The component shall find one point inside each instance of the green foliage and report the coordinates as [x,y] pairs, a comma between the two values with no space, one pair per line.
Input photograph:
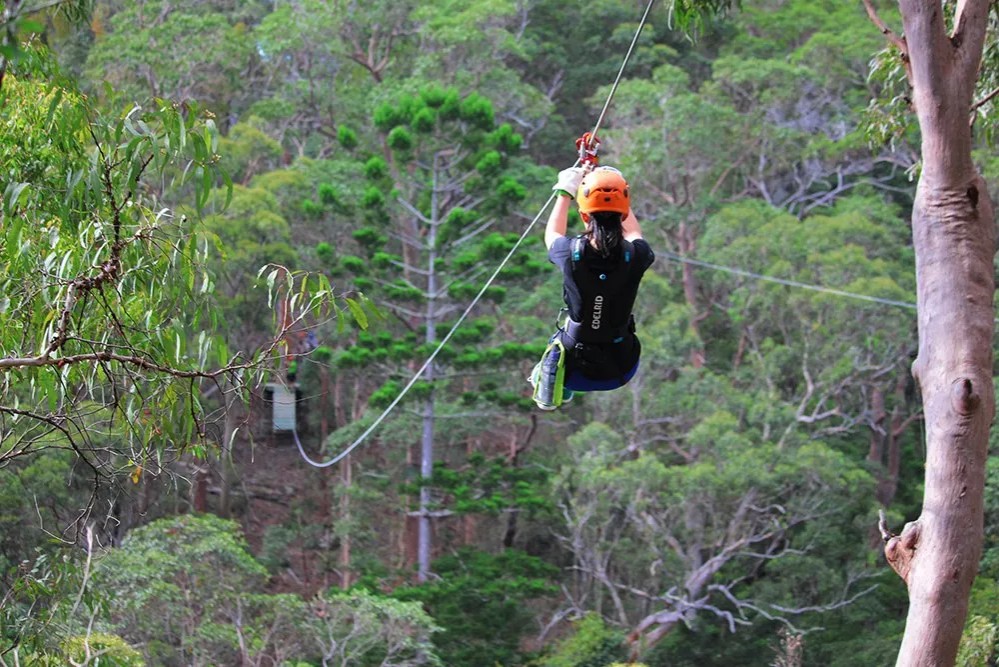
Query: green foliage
[88,227]
[385,394]
[654,511]
[505,139]
[692,15]
[149,44]
[386,117]
[328,195]
[511,190]
[369,238]
[373,198]
[354,265]
[373,629]
[477,111]
[174,581]
[38,610]
[591,644]
[990,554]
[764,104]
[489,164]
[311,209]
[248,150]
[375,168]
[979,643]
[399,139]
[490,487]
[889,119]
[103,649]
[423,122]
[480,600]
[347,137]
[50,477]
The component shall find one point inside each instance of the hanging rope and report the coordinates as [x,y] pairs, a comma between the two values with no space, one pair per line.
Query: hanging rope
[416,376]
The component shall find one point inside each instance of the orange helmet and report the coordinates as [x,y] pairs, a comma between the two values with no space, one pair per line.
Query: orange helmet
[603,189]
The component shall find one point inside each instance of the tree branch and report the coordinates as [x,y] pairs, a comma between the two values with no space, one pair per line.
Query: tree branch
[985,100]
[899,42]
[899,549]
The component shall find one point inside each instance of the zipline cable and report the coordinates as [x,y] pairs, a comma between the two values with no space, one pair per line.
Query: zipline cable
[361,438]
[620,72]
[783,281]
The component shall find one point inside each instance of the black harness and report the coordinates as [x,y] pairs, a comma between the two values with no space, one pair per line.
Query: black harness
[607,293]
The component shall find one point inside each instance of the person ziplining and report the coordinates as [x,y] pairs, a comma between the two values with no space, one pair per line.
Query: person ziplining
[596,348]
[582,377]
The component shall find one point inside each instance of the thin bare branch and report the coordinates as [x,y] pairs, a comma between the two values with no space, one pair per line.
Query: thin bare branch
[899,42]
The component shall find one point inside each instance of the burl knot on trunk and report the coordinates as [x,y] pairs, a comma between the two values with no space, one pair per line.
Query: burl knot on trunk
[899,549]
[963,397]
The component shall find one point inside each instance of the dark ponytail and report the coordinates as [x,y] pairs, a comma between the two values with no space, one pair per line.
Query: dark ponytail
[605,230]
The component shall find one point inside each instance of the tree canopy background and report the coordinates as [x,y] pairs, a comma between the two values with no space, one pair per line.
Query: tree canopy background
[321,188]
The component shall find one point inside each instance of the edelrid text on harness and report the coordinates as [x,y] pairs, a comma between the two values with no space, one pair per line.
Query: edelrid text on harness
[607,294]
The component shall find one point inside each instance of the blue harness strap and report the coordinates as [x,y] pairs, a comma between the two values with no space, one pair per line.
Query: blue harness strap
[579,242]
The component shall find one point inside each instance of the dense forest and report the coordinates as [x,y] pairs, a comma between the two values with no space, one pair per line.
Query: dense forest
[274,279]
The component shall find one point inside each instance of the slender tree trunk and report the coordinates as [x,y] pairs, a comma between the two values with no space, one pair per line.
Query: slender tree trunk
[687,248]
[409,539]
[875,449]
[468,522]
[954,239]
[226,467]
[10,10]
[200,496]
[427,442]
[423,550]
[884,452]
[346,479]
[345,472]
[897,424]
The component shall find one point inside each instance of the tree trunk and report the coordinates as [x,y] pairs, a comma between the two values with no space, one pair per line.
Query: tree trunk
[687,243]
[423,551]
[326,385]
[954,239]
[887,430]
[427,441]
[199,500]
[346,480]
[226,466]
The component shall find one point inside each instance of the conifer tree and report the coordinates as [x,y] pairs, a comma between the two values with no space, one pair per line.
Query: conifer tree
[434,229]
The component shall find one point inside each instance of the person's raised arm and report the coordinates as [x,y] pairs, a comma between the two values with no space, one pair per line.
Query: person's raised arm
[565,188]
[630,228]
[558,220]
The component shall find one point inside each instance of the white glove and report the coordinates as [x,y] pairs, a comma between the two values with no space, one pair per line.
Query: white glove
[569,180]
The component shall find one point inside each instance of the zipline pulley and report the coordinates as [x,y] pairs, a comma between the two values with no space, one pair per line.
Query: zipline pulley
[588,145]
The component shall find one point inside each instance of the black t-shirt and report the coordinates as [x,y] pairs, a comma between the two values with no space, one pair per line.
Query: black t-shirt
[560,255]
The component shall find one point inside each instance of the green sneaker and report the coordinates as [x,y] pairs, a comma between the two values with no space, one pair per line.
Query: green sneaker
[533,379]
